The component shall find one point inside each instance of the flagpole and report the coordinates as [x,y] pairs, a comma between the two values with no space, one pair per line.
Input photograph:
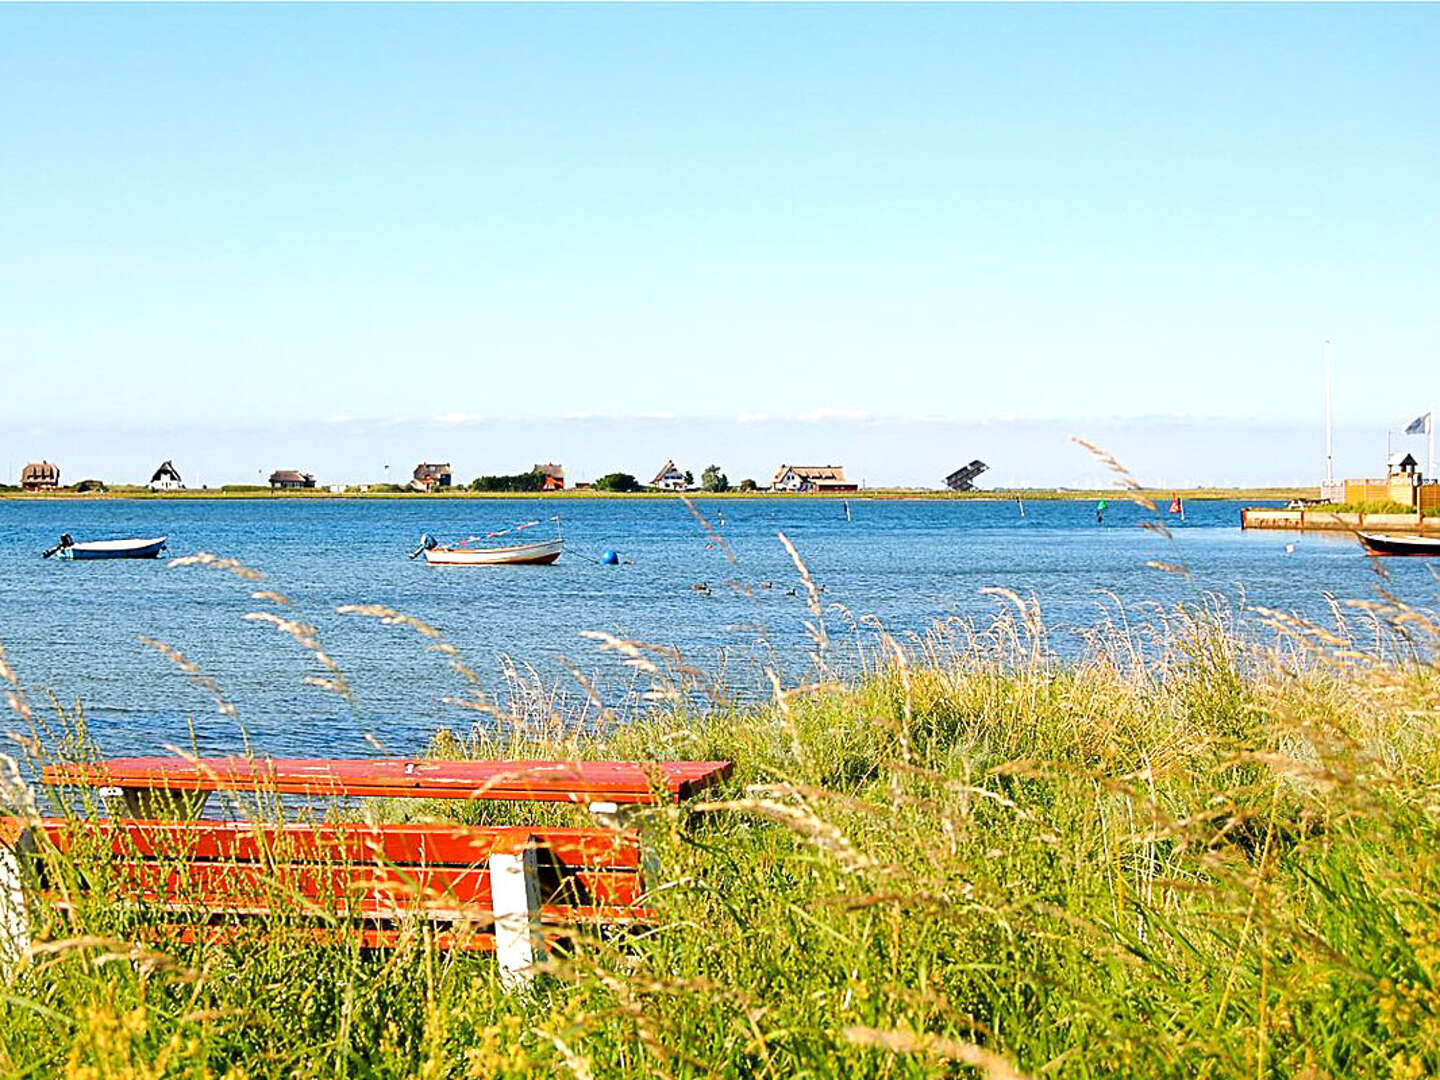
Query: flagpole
[1430,429]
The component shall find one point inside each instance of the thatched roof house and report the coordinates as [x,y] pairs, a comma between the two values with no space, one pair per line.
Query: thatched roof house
[40,476]
[669,477]
[290,478]
[430,475]
[812,478]
[554,476]
[167,478]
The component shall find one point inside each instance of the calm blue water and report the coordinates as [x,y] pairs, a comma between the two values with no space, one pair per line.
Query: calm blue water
[73,628]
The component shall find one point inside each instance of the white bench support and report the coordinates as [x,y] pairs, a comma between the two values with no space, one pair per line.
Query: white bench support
[14,918]
[515,900]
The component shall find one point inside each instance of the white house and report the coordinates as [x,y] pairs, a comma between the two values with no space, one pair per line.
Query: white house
[167,478]
[670,478]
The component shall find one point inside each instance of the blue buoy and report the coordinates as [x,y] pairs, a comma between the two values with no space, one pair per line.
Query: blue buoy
[610,558]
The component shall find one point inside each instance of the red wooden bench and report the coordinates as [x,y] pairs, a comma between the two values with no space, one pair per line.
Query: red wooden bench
[510,889]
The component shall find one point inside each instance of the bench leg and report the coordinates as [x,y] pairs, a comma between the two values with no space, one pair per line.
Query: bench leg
[14,919]
[515,900]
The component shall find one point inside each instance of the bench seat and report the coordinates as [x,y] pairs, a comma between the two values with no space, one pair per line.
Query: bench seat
[510,889]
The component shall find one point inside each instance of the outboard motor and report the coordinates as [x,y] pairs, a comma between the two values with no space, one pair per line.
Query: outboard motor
[427,543]
[65,542]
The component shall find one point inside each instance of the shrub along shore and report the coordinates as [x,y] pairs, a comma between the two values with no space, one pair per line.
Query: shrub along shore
[1191,852]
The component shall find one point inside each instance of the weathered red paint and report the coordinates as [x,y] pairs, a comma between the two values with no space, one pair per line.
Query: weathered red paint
[545,781]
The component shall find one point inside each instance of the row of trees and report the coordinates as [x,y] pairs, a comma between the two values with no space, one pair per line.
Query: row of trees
[712,479]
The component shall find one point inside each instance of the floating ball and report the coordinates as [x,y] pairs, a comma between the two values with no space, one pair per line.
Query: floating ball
[610,558]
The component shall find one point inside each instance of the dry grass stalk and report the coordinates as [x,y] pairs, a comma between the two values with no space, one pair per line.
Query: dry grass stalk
[989,1063]
[588,687]
[192,671]
[802,820]
[390,617]
[215,562]
[709,529]
[634,652]
[812,598]
[308,638]
[15,693]
[1133,487]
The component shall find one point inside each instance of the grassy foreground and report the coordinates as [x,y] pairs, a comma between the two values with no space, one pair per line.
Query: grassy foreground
[1186,854]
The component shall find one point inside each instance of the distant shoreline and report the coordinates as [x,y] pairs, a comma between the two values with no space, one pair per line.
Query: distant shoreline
[870,494]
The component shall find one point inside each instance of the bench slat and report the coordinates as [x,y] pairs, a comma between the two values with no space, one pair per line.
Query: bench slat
[368,909]
[436,845]
[408,887]
[629,782]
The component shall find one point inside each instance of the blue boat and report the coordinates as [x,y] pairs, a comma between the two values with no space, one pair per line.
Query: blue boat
[133,548]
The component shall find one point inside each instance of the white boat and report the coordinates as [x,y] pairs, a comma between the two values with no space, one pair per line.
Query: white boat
[547,551]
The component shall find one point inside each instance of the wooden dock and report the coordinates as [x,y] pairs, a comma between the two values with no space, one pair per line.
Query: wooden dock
[1320,519]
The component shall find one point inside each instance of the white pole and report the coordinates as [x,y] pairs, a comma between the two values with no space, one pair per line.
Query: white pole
[1329,446]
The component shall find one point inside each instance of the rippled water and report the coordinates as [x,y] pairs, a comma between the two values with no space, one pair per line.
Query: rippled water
[74,628]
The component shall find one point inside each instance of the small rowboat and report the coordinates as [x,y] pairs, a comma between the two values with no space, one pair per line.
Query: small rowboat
[547,551]
[134,548]
[1392,544]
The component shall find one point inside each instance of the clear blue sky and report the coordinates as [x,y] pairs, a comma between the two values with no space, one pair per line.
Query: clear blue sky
[236,217]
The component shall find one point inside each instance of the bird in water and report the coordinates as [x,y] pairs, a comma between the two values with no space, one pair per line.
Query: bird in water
[789,592]
[1290,548]
[703,588]
[764,584]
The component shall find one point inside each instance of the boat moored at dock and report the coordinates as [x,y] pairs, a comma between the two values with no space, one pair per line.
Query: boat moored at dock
[1393,544]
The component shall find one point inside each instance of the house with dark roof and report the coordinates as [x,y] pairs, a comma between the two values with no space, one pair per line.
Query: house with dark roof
[431,475]
[40,476]
[167,478]
[554,476]
[282,479]
[670,478]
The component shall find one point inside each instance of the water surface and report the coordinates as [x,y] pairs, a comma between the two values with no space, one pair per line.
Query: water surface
[74,628]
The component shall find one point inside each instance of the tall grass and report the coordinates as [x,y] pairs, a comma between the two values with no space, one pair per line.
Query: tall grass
[1191,851]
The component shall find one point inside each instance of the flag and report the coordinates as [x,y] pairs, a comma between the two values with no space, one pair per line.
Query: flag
[1419,426]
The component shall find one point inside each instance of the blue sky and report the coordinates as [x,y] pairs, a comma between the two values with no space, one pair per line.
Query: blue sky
[313,222]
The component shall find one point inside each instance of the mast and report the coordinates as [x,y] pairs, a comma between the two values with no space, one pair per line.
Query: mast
[1329,444]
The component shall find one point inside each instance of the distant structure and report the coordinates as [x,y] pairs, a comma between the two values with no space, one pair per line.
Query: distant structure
[40,476]
[812,478]
[1403,484]
[963,478]
[554,476]
[429,476]
[282,479]
[669,477]
[167,478]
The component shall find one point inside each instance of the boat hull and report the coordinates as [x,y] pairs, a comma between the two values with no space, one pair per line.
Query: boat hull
[1391,544]
[116,549]
[520,555]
